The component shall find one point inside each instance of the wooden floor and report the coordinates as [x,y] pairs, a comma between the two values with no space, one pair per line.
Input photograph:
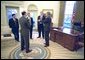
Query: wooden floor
[56,50]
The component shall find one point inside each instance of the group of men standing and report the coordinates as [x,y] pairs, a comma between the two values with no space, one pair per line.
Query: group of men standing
[26,23]
[44,24]
[40,25]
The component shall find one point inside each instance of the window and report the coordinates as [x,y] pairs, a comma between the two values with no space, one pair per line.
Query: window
[68,14]
[12,10]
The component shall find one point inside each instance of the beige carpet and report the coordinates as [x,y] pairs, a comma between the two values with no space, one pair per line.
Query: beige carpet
[57,51]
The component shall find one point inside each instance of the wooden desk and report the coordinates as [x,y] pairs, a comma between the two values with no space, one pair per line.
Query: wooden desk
[68,38]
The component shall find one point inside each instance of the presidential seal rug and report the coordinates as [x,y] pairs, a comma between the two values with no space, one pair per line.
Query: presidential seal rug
[38,52]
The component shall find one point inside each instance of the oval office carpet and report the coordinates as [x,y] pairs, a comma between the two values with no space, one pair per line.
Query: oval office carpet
[10,49]
[38,52]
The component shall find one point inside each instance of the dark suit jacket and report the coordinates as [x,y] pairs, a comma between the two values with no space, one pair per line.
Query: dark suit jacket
[25,26]
[32,22]
[38,22]
[43,18]
[47,24]
[14,25]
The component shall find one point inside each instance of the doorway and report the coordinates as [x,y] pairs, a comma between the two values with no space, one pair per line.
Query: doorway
[33,10]
[34,15]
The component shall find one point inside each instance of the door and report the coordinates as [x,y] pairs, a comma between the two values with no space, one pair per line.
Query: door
[34,16]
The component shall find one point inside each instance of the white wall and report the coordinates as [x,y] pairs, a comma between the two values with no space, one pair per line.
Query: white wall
[3,10]
[4,23]
[23,5]
[46,5]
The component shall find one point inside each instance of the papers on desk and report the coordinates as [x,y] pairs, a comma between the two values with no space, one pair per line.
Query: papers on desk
[66,30]
[55,29]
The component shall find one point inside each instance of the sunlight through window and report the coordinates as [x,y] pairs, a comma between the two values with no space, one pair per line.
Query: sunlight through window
[68,14]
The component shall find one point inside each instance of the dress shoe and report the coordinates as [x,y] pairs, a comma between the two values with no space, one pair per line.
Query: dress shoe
[43,37]
[38,37]
[17,40]
[31,38]
[28,51]
[22,49]
[46,45]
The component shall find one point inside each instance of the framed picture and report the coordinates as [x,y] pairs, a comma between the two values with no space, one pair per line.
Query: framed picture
[48,10]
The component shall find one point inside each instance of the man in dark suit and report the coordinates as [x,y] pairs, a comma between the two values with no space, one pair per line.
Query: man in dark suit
[47,26]
[13,24]
[25,28]
[31,24]
[40,25]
